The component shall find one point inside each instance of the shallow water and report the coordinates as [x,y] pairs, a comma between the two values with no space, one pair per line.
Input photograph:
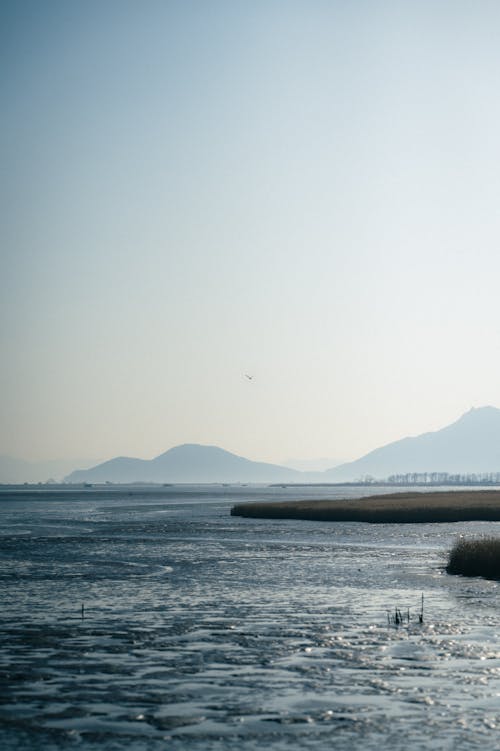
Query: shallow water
[207,631]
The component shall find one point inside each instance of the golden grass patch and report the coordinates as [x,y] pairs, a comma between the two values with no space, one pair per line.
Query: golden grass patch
[395,508]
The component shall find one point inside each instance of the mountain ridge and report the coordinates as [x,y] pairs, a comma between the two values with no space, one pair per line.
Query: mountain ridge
[188,462]
[469,444]
[14,470]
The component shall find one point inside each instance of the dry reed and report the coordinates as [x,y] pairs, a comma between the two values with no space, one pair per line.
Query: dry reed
[475,557]
[395,508]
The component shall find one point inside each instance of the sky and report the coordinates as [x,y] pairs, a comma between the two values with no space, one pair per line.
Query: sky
[305,192]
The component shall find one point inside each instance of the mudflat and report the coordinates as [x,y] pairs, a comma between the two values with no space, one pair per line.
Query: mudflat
[395,508]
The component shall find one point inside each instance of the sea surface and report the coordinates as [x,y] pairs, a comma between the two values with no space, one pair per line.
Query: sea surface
[205,631]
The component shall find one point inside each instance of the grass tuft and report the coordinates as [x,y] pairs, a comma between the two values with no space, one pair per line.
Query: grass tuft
[477,557]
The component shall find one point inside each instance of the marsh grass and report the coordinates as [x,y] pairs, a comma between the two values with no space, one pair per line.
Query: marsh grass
[476,557]
[395,508]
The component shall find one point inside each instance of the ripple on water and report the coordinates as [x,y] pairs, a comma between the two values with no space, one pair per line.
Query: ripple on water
[241,635]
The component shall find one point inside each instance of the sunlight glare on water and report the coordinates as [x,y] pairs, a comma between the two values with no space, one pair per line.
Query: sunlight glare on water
[206,631]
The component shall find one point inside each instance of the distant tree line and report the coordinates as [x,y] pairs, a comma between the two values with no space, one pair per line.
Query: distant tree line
[437,478]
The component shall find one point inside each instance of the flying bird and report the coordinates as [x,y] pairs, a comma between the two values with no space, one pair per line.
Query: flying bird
[250,378]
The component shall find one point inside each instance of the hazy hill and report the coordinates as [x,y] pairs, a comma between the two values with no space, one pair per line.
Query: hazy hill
[13,470]
[312,465]
[187,463]
[471,444]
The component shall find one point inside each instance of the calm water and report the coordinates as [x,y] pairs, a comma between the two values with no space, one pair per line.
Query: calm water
[206,631]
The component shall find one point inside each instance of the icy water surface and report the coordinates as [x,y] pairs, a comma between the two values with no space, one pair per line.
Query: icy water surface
[206,631]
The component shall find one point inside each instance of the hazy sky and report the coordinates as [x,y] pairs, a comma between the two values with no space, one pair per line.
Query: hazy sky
[307,192]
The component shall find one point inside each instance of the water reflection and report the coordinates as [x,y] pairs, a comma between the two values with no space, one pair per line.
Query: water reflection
[207,631]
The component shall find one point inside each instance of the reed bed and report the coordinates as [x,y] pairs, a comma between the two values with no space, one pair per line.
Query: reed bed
[475,557]
[395,508]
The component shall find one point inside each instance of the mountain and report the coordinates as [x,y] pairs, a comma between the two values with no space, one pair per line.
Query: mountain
[187,463]
[471,444]
[312,465]
[14,470]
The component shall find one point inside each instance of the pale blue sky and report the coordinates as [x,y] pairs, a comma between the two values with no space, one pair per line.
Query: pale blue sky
[304,191]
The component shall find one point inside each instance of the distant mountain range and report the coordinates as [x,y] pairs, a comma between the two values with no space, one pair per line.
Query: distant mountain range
[312,465]
[469,445]
[187,463]
[13,470]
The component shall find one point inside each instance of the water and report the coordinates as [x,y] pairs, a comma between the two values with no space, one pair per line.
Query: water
[206,631]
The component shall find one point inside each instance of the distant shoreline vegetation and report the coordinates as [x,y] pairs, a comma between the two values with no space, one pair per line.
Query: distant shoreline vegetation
[441,478]
[395,508]
[428,479]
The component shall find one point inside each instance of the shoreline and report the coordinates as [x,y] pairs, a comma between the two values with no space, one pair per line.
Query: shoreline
[394,508]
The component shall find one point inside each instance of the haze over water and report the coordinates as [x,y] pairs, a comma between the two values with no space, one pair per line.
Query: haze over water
[206,631]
